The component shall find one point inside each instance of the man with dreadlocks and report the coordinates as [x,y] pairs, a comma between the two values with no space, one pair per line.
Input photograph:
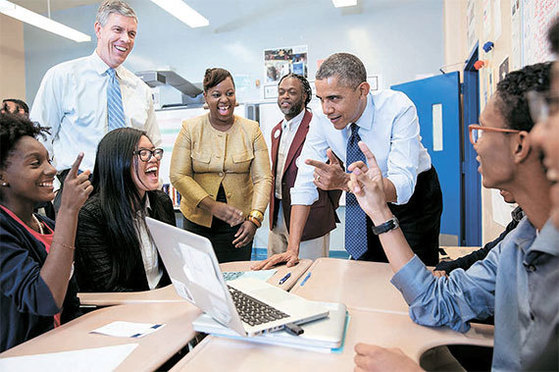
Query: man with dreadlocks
[288,137]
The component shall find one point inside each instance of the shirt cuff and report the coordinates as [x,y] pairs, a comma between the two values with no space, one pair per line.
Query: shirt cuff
[403,191]
[304,196]
[412,279]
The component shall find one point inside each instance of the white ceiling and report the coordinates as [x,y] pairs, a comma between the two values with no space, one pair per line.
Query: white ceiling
[40,6]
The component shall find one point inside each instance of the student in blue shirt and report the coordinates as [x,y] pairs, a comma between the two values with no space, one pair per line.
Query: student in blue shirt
[503,283]
[37,289]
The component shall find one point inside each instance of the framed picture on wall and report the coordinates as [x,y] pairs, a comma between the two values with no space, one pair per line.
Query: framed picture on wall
[373,82]
[270,91]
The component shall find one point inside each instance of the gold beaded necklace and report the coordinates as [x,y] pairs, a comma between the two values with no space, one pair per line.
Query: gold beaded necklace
[39,224]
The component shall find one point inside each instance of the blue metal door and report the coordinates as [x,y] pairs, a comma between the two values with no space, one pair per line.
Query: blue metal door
[438,106]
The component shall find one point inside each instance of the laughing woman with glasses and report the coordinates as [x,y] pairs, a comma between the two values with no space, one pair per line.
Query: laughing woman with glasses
[114,251]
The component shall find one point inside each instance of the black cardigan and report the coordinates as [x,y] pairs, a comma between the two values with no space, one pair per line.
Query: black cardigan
[26,304]
[467,261]
[93,261]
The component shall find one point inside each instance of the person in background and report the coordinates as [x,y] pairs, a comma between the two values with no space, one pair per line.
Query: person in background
[288,137]
[14,106]
[445,267]
[114,251]
[517,281]
[387,121]
[83,99]
[37,289]
[220,166]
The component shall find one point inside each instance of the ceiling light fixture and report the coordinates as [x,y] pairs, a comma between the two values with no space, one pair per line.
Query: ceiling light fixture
[344,3]
[24,15]
[183,12]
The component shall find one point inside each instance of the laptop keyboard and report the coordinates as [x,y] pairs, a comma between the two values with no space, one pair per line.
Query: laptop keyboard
[252,311]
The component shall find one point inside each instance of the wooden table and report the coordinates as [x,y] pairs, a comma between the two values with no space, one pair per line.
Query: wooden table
[153,350]
[374,327]
[454,252]
[359,285]
[168,295]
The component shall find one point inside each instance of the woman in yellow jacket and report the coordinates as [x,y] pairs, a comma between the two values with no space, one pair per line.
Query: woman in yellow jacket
[221,168]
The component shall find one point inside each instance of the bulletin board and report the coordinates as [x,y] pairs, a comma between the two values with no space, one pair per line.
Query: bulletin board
[537,17]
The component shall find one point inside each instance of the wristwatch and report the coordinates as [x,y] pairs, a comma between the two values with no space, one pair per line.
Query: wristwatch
[391,224]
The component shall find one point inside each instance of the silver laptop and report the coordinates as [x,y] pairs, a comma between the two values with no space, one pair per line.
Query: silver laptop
[247,306]
[325,333]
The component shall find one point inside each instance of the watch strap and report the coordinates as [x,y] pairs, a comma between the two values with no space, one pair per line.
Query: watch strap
[391,224]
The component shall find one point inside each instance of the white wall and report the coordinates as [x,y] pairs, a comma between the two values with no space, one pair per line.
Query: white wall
[12,59]
[396,39]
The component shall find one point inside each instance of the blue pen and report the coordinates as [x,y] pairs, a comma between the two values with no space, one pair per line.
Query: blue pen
[306,278]
[282,280]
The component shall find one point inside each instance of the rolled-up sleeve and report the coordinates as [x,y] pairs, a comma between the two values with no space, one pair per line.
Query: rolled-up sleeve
[403,157]
[21,281]
[452,301]
[261,174]
[304,191]
[181,169]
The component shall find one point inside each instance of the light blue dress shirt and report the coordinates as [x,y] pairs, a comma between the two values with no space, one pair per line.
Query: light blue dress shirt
[518,283]
[72,101]
[390,128]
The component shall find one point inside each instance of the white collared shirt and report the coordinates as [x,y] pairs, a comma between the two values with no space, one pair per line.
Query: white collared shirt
[148,250]
[390,128]
[72,101]
[288,131]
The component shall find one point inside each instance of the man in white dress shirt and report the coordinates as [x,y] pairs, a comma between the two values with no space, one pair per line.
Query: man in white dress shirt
[72,98]
[387,122]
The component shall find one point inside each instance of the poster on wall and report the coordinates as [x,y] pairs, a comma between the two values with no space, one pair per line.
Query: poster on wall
[516,31]
[282,61]
[537,17]
[471,21]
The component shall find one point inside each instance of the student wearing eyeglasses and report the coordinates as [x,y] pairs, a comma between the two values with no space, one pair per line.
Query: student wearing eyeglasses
[114,251]
[517,281]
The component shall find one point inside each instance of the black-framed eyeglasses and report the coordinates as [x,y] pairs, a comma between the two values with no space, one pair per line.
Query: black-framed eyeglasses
[146,154]
[542,105]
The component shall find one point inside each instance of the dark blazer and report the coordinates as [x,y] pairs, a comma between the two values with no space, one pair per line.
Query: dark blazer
[26,303]
[93,262]
[322,217]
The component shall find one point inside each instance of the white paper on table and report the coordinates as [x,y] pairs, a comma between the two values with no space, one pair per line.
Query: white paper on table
[127,329]
[258,274]
[96,359]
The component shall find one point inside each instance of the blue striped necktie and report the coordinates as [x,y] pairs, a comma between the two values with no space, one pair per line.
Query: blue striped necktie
[115,112]
[355,218]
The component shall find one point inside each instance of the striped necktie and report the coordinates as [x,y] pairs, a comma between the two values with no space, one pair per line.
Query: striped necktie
[115,112]
[355,219]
